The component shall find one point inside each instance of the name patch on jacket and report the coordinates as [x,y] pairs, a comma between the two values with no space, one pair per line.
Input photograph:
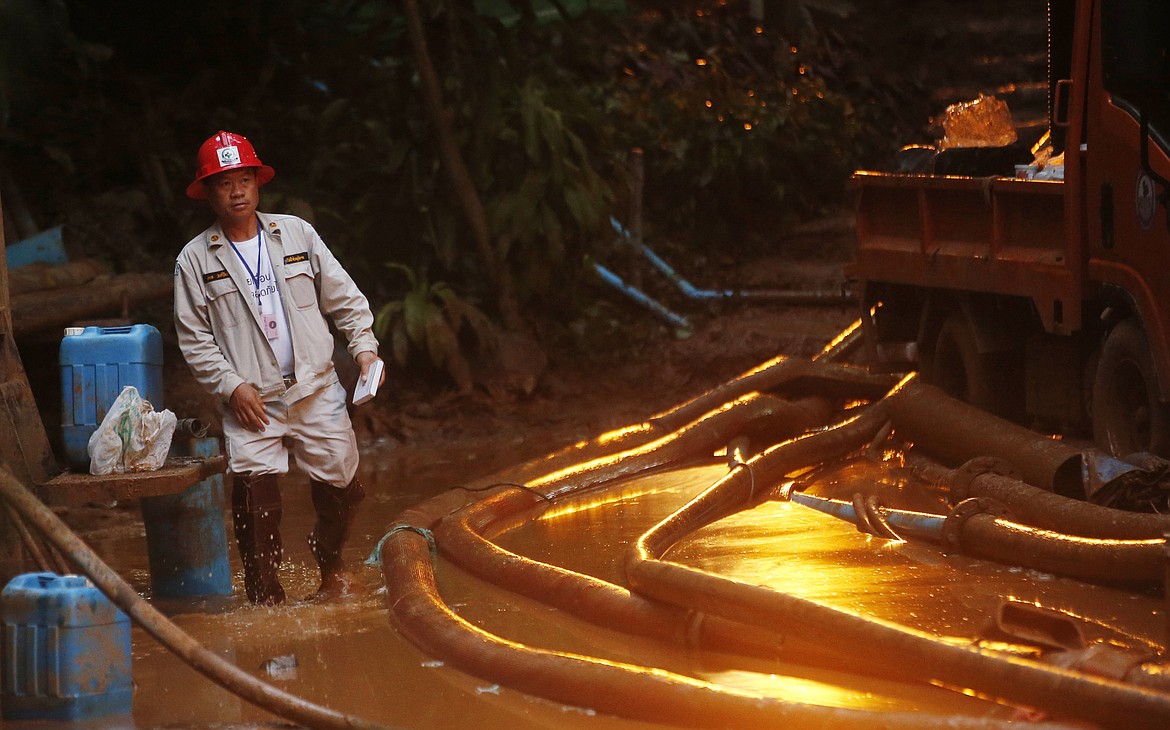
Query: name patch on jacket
[296,258]
[215,276]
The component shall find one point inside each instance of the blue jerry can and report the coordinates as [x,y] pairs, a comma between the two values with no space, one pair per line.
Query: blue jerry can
[96,363]
[66,650]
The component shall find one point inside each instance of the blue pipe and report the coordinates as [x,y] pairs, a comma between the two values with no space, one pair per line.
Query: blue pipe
[641,298]
[693,292]
[917,524]
[688,289]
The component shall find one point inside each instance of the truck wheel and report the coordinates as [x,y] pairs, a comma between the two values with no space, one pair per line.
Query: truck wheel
[1128,417]
[959,369]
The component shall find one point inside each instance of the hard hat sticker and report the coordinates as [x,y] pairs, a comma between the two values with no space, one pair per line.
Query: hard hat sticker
[229,155]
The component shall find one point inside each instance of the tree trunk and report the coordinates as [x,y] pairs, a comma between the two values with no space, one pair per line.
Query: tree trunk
[457,171]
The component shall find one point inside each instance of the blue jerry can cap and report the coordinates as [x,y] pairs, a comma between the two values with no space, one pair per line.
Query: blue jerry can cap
[63,600]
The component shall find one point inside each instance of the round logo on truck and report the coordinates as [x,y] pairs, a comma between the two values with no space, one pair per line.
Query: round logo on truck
[1147,200]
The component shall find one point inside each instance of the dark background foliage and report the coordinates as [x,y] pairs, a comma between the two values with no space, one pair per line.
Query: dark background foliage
[747,127]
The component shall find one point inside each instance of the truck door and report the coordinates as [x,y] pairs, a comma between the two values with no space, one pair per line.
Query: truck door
[1127,161]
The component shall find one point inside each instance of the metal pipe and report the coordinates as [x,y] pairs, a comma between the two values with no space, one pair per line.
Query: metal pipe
[191,428]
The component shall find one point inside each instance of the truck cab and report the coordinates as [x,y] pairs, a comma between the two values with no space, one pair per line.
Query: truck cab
[1045,300]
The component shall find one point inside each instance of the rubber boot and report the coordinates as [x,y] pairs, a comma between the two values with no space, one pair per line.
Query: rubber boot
[256,515]
[336,508]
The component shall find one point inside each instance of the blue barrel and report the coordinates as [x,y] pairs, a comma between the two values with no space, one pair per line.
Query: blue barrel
[66,650]
[96,363]
[186,540]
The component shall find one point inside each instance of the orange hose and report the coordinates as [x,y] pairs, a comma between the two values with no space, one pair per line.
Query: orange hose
[1098,560]
[1038,507]
[819,377]
[752,412]
[1109,703]
[658,696]
[622,690]
[459,538]
[956,432]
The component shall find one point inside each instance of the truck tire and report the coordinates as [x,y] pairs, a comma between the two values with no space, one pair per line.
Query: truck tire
[1128,416]
[959,369]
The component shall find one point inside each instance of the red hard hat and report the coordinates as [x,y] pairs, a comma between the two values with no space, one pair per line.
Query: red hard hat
[222,152]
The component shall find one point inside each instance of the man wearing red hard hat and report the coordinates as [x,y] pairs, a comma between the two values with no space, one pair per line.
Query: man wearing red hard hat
[252,294]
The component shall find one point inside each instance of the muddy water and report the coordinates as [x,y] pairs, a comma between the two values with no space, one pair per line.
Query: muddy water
[348,657]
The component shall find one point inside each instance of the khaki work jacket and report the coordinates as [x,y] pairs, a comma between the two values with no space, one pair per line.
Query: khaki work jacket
[220,331]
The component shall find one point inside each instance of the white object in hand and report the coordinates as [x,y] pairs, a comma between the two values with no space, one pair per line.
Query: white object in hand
[368,388]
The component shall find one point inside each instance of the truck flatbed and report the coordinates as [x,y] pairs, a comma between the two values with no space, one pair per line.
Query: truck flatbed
[996,235]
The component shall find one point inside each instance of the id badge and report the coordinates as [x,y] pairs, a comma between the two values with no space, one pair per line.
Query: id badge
[270,329]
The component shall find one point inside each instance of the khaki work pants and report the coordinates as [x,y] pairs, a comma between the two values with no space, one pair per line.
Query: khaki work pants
[316,429]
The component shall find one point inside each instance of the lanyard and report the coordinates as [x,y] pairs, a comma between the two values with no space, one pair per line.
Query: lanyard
[254,278]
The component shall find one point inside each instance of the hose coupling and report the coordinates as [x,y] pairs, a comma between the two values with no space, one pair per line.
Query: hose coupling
[953,525]
[966,475]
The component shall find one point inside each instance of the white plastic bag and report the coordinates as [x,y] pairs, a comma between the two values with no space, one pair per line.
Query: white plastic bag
[132,436]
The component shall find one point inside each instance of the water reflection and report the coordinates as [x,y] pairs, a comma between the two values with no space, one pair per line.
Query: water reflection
[347,657]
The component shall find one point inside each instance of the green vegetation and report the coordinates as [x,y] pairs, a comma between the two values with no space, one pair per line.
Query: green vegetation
[102,107]
[433,321]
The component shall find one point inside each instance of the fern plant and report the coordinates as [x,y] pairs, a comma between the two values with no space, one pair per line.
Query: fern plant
[433,321]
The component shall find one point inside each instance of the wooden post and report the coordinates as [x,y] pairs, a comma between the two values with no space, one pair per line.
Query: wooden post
[11,551]
[24,445]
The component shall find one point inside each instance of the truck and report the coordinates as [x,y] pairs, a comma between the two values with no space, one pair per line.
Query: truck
[1044,300]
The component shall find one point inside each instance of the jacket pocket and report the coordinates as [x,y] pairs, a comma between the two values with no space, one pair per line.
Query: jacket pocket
[226,303]
[299,279]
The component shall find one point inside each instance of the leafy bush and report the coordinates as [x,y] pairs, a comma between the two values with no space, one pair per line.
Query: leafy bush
[741,128]
[432,320]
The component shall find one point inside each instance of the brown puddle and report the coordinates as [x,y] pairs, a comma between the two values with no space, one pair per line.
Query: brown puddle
[347,656]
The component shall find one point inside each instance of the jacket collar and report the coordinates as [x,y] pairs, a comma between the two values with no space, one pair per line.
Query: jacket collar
[215,237]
